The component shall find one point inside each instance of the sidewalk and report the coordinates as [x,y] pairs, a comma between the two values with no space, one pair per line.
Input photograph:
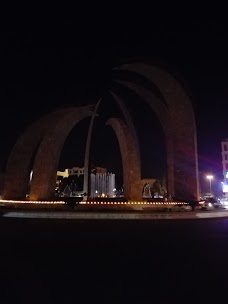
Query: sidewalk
[116,216]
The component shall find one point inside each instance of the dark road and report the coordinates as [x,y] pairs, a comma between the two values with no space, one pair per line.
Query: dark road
[57,261]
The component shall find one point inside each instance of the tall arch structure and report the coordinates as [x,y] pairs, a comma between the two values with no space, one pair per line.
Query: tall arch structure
[180,131]
[46,137]
[19,162]
[129,133]
[161,111]
[130,159]
[49,151]
[40,139]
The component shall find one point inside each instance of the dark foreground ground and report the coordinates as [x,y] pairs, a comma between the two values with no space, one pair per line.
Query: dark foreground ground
[57,261]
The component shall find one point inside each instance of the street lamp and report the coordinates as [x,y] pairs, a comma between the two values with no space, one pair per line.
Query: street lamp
[210,177]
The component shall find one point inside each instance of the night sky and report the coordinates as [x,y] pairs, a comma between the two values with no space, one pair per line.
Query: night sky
[47,65]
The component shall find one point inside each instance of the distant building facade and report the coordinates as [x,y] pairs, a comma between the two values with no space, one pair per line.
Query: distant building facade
[224,145]
[1,182]
[63,174]
[76,171]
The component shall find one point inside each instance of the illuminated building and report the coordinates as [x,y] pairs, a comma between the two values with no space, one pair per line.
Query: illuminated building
[63,174]
[225,165]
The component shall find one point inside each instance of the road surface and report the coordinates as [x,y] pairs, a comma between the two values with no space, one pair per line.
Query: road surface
[80,261]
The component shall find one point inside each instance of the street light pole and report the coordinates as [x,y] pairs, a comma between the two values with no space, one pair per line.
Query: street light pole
[210,177]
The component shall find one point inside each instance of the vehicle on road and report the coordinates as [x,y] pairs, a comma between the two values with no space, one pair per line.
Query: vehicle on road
[211,203]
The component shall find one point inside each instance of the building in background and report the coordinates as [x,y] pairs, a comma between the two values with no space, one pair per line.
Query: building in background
[76,171]
[63,174]
[1,182]
[224,144]
[102,183]
[98,170]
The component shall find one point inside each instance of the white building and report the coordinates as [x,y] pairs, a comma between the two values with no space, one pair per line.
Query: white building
[224,144]
[63,174]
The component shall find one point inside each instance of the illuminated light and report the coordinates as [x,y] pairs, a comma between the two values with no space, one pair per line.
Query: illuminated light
[210,177]
[225,188]
[32,202]
[95,202]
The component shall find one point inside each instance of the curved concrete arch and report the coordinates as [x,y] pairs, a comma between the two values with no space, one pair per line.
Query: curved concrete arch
[129,121]
[183,129]
[18,165]
[162,113]
[138,79]
[49,151]
[130,159]
[152,100]
[47,136]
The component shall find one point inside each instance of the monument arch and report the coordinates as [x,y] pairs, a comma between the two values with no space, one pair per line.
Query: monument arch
[180,128]
[46,137]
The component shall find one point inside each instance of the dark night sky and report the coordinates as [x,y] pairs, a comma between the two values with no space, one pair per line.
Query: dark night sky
[44,65]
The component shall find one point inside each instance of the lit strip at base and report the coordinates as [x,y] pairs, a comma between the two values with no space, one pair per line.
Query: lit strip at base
[94,202]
